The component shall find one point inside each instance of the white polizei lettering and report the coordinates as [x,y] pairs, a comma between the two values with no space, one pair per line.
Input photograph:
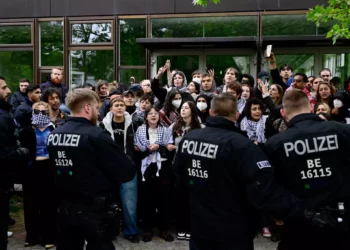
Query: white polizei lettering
[308,147]
[321,148]
[67,140]
[302,145]
[202,149]
[331,139]
[316,144]
[288,147]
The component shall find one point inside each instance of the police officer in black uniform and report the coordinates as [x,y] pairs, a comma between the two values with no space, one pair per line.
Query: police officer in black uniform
[89,167]
[10,157]
[311,160]
[228,178]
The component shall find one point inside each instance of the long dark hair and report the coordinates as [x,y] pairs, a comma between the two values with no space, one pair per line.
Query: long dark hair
[204,115]
[168,107]
[253,101]
[194,119]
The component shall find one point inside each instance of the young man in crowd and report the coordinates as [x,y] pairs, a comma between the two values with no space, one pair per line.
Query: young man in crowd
[53,97]
[19,96]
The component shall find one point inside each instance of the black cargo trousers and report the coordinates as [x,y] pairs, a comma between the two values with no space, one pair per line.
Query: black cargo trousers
[78,223]
[4,216]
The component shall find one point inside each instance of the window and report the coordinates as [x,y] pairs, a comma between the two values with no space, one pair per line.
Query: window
[222,62]
[51,43]
[15,65]
[131,53]
[125,74]
[339,64]
[91,33]
[301,63]
[16,34]
[88,66]
[229,26]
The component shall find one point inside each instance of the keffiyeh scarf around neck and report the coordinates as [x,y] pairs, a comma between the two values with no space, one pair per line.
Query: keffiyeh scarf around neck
[255,130]
[142,142]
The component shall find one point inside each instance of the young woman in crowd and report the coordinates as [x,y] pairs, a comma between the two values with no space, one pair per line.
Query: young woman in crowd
[193,88]
[169,113]
[146,101]
[119,124]
[254,122]
[102,91]
[325,94]
[314,87]
[154,143]
[247,92]
[203,107]
[322,108]
[40,202]
[231,75]
[187,122]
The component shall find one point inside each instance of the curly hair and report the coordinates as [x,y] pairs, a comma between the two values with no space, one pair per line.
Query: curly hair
[49,92]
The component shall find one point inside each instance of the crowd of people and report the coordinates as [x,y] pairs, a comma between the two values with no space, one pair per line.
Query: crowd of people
[148,121]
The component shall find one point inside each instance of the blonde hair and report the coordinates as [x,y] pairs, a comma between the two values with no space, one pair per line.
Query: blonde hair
[44,104]
[78,97]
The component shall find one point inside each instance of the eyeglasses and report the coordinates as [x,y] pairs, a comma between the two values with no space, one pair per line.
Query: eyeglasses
[37,111]
[156,114]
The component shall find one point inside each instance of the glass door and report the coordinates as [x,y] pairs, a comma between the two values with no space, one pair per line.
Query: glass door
[185,63]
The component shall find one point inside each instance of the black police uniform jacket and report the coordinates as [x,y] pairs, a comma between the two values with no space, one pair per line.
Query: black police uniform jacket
[311,160]
[88,163]
[229,178]
[11,160]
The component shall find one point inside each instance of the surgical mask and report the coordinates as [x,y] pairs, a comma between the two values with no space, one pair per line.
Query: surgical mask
[337,103]
[197,80]
[176,103]
[202,106]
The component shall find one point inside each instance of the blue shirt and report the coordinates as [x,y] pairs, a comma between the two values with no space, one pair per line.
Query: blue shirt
[41,140]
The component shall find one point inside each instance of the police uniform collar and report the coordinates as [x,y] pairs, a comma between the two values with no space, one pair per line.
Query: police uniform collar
[79,119]
[303,117]
[220,122]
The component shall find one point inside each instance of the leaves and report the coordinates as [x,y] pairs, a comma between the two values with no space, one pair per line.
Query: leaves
[337,11]
[204,2]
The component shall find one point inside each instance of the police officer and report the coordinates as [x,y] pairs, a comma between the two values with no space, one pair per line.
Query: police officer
[311,160]
[89,167]
[228,178]
[10,156]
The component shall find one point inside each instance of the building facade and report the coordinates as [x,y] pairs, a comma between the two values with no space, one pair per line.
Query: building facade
[117,39]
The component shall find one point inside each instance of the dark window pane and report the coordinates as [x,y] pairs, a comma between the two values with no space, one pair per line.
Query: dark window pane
[222,62]
[302,63]
[283,25]
[16,34]
[91,33]
[88,66]
[51,43]
[230,26]
[15,65]
[125,74]
[131,53]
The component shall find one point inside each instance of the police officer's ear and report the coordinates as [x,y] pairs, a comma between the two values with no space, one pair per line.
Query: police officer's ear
[211,113]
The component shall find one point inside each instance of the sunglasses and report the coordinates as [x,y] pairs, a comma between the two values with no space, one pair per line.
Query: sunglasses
[37,111]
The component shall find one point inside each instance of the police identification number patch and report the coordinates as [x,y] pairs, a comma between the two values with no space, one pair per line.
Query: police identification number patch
[263,164]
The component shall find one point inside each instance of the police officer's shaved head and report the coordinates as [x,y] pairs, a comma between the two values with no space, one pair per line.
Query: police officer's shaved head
[295,102]
[77,98]
[224,105]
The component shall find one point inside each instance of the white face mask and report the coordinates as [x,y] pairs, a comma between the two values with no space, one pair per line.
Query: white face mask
[337,103]
[201,106]
[197,80]
[176,103]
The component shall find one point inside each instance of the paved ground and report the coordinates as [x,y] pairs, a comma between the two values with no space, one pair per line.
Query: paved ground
[17,243]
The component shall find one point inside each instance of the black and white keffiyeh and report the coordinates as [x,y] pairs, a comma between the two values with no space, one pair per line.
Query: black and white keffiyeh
[142,142]
[255,130]
[241,104]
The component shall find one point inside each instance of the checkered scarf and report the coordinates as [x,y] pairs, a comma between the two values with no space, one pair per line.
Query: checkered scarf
[241,104]
[142,142]
[255,130]
[40,120]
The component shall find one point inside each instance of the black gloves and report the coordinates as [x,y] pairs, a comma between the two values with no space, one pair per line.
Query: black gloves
[323,219]
[23,153]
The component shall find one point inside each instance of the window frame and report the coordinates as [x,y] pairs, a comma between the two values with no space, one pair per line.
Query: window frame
[32,36]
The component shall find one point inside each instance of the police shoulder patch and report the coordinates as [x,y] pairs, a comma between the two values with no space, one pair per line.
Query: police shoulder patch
[263,164]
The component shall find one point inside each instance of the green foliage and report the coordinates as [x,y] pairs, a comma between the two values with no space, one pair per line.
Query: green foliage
[51,43]
[337,11]
[204,2]
[19,34]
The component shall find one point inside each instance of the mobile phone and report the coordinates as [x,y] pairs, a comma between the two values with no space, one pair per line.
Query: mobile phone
[268,50]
